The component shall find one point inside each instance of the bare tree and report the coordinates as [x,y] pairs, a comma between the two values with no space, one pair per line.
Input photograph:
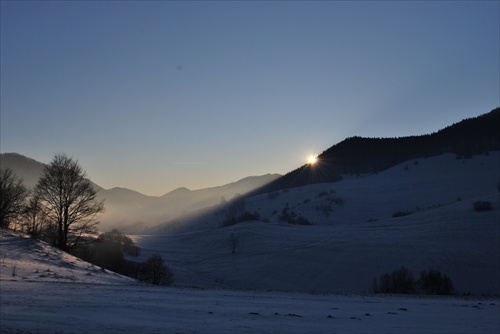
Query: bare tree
[13,195]
[155,271]
[33,220]
[68,200]
[234,242]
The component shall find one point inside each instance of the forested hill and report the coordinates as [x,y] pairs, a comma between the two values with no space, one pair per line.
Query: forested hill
[358,155]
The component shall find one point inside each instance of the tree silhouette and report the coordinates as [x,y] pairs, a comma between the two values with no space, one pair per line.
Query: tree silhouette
[68,200]
[12,197]
[155,271]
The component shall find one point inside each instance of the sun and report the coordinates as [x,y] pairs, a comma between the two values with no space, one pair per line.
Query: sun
[312,159]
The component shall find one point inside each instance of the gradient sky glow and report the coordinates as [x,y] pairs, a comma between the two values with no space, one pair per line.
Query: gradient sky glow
[157,95]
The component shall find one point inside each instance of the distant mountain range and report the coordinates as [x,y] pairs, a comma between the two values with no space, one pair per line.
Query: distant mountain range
[358,155]
[130,210]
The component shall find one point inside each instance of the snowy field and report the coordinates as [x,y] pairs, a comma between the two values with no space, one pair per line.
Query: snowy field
[357,240]
[51,307]
[46,291]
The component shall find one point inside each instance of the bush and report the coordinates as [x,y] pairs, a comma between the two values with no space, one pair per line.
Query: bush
[291,218]
[273,195]
[401,213]
[244,217]
[481,206]
[322,194]
[325,209]
[433,283]
[154,271]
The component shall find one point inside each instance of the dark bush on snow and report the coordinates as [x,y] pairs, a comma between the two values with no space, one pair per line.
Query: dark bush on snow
[401,213]
[481,206]
[154,271]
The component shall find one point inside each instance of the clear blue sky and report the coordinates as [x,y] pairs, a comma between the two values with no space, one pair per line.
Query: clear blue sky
[157,95]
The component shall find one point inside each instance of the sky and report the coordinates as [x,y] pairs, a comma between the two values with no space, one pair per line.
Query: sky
[156,95]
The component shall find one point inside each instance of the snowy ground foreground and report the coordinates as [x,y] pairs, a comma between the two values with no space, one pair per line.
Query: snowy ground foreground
[358,240]
[51,307]
[52,292]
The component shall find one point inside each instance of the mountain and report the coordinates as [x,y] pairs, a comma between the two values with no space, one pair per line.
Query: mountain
[131,211]
[358,155]
[27,168]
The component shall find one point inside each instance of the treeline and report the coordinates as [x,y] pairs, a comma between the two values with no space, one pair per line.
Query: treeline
[401,281]
[108,251]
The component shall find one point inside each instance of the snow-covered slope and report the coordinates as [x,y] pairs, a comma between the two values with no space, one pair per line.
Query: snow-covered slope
[354,238]
[24,259]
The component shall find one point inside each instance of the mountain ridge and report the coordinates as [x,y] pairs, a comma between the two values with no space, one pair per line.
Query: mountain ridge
[358,155]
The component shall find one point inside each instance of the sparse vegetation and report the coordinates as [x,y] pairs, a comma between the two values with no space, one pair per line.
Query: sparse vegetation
[322,194]
[324,208]
[244,217]
[337,200]
[291,217]
[108,250]
[236,213]
[273,195]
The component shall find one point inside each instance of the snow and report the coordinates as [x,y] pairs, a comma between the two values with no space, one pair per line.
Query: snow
[359,240]
[286,278]
[52,307]
[26,260]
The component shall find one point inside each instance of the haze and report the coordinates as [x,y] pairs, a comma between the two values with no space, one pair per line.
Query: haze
[157,95]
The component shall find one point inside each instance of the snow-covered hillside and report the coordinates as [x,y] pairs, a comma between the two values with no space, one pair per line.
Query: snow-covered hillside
[23,259]
[354,238]
[52,292]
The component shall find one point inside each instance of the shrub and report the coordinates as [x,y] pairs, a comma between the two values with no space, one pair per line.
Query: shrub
[337,200]
[401,213]
[321,194]
[273,195]
[481,206]
[291,218]
[302,221]
[244,217]
[325,209]
[154,271]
